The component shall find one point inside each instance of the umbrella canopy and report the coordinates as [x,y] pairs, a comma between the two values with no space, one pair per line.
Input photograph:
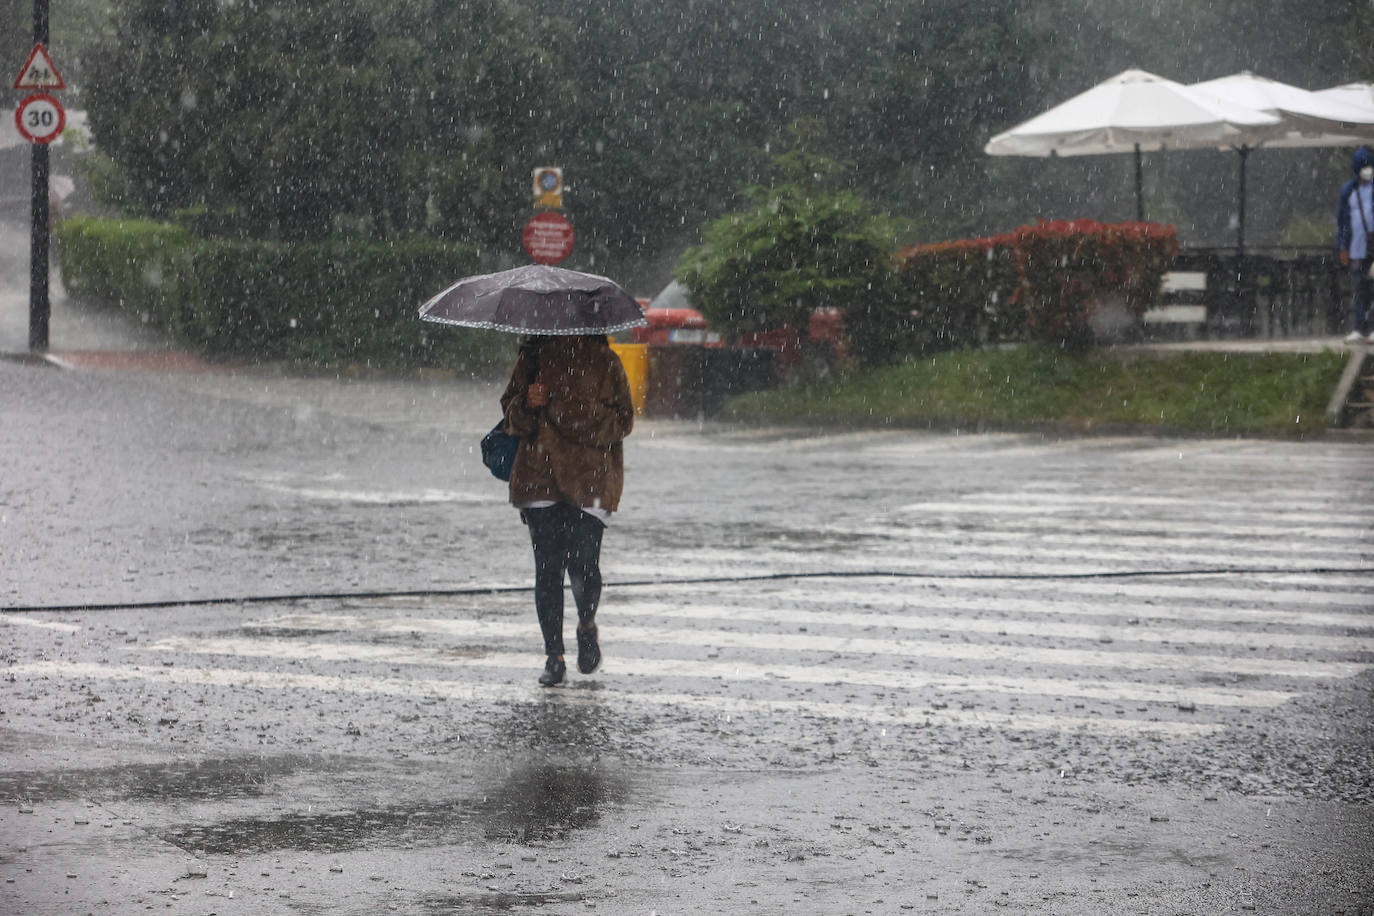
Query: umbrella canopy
[1131,112]
[1359,96]
[1296,108]
[1306,119]
[537,299]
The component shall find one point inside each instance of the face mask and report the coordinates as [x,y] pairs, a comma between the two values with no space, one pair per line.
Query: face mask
[1367,173]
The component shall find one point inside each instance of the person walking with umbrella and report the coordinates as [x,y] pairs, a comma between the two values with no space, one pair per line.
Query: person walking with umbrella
[568,401]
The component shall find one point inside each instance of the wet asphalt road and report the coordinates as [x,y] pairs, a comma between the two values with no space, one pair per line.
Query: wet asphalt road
[981,678]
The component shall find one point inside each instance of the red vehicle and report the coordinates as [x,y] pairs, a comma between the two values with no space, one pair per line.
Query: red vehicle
[673,321]
[675,326]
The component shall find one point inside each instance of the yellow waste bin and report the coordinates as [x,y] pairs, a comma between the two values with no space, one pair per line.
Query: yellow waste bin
[635,359]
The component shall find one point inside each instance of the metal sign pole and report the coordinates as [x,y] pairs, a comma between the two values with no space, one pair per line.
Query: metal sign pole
[39,307]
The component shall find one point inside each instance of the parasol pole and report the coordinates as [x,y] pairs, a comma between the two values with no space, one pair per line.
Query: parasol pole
[1244,151]
[1242,292]
[1139,189]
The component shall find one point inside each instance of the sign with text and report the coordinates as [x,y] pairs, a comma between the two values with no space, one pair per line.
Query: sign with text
[39,72]
[548,238]
[40,118]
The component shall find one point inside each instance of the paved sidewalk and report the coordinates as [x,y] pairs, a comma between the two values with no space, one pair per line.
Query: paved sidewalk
[1286,345]
[73,326]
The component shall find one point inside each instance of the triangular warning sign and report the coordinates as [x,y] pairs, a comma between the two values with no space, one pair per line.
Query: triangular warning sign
[39,72]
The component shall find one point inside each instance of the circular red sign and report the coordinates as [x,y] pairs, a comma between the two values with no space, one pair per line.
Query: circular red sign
[548,238]
[40,118]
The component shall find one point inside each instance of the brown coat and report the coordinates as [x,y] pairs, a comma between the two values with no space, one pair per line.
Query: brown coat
[570,449]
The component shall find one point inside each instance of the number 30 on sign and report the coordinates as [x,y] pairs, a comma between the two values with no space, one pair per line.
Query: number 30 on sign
[40,118]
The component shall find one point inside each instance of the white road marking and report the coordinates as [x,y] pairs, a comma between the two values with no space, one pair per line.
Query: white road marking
[1171,590]
[921,598]
[905,648]
[1235,639]
[1096,524]
[493,693]
[380,497]
[1326,507]
[15,620]
[955,562]
[659,667]
[1352,523]
[1129,543]
[1027,555]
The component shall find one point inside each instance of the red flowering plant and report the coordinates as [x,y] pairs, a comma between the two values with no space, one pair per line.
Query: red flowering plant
[1045,282]
[1070,271]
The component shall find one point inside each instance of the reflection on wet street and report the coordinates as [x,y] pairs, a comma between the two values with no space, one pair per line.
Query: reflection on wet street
[516,801]
[521,794]
[546,802]
[967,673]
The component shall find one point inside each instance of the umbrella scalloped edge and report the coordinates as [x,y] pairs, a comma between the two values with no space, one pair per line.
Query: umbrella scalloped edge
[544,332]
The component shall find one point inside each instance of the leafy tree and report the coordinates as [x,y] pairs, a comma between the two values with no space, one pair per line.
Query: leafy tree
[295,118]
[795,247]
[303,118]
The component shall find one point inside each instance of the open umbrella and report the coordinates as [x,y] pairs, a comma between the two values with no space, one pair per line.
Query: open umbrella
[536,299]
[1133,111]
[1359,96]
[1305,119]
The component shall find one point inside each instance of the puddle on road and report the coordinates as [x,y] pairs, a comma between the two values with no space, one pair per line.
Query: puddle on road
[257,632]
[526,804]
[494,903]
[1165,851]
[229,777]
[547,802]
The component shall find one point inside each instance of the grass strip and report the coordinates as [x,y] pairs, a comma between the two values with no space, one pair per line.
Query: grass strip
[1210,392]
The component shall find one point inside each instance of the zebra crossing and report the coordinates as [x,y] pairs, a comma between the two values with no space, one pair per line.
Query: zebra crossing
[1108,605]
[1076,657]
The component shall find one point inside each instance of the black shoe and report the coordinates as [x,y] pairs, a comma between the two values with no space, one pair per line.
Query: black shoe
[554,669]
[588,651]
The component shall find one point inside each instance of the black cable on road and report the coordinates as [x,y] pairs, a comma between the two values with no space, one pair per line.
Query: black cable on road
[698,580]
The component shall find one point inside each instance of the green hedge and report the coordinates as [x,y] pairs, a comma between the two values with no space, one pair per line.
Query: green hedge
[328,303]
[1071,271]
[949,296]
[1041,284]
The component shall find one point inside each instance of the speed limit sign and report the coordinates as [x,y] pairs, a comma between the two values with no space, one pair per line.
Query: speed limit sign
[40,118]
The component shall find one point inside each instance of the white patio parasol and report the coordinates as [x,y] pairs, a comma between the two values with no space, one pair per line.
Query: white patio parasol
[1298,110]
[1359,96]
[1306,119]
[1133,111]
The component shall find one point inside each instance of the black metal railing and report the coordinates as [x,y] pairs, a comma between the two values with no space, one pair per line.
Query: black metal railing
[1270,292]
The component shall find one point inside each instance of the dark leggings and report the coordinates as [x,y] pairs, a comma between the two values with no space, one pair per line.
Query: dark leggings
[565,539]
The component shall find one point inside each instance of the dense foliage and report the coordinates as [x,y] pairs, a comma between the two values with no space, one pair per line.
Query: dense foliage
[1070,273]
[794,249]
[298,119]
[941,297]
[333,302]
[1052,282]
[797,249]
[305,118]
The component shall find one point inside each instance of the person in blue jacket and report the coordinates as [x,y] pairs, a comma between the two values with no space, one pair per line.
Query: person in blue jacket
[1355,239]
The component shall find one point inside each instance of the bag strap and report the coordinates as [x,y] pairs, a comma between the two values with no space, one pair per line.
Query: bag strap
[1364,218]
